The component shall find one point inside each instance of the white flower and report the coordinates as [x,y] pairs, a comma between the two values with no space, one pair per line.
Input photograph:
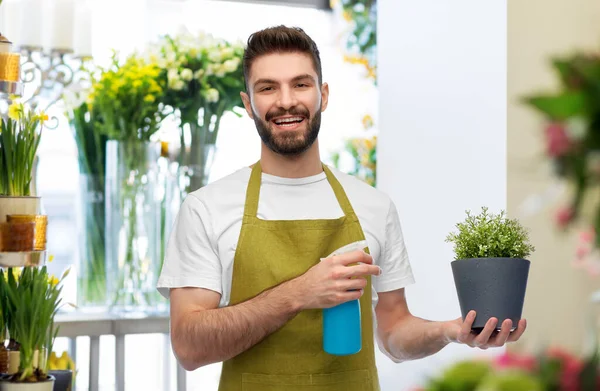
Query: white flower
[210,69]
[231,65]
[171,57]
[212,95]
[226,52]
[214,55]
[576,128]
[220,71]
[178,85]
[172,74]
[187,74]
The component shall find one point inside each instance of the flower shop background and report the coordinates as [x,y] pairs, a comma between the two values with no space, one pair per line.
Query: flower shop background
[558,296]
[137,24]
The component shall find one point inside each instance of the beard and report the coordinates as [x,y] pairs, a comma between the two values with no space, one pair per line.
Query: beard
[288,143]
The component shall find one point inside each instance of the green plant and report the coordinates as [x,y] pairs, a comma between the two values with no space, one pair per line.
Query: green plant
[460,376]
[511,380]
[20,136]
[489,235]
[91,153]
[33,298]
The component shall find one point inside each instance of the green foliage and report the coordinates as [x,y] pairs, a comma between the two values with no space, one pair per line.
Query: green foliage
[20,136]
[461,376]
[511,380]
[33,298]
[490,235]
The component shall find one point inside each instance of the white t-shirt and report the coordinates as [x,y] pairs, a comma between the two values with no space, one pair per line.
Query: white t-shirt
[204,238]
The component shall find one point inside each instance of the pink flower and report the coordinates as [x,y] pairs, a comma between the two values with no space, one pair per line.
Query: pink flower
[557,140]
[513,360]
[564,216]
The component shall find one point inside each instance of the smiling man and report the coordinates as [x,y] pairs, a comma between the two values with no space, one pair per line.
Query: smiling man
[247,267]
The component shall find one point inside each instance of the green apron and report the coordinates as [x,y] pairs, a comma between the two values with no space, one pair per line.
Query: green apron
[270,252]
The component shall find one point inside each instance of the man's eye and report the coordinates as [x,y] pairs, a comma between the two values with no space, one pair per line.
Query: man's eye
[301,85]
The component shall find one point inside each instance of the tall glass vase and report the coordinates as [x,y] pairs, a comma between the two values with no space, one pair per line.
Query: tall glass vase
[196,158]
[91,276]
[134,210]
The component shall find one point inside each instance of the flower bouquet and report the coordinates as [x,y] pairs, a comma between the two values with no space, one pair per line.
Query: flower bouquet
[126,98]
[202,78]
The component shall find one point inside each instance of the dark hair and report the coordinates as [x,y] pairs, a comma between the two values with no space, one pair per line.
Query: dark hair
[280,39]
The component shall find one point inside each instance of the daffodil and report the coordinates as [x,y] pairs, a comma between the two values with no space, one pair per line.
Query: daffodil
[15,110]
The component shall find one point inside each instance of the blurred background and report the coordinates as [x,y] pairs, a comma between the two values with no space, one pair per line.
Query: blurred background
[445,106]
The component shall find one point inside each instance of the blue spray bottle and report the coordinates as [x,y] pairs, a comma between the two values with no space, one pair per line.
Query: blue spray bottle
[342,334]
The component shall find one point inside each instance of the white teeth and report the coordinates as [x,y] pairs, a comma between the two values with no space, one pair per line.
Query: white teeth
[287,120]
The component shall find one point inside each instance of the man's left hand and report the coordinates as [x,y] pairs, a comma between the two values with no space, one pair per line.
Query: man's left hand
[459,331]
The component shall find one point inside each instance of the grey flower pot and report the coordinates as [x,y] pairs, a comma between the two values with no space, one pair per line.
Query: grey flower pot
[493,287]
[64,379]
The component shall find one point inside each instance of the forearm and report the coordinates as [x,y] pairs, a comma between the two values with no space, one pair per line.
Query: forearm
[414,338]
[215,335]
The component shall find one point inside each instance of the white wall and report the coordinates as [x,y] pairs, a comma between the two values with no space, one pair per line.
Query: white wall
[442,149]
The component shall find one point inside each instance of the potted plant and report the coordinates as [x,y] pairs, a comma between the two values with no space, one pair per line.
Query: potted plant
[20,135]
[34,298]
[490,268]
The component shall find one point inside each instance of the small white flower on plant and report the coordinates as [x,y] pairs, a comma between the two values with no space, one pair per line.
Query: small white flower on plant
[187,74]
[576,128]
[220,71]
[231,65]
[214,55]
[171,57]
[172,75]
[210,69]
[226,52]
[212,95]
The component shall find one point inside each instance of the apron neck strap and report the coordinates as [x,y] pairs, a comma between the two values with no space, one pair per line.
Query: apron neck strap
[253,192]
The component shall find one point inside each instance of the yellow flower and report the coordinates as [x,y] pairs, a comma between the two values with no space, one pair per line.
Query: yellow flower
[14,111]
[367,121]
[347,16]
[52,280]
[149,98]
[51,258]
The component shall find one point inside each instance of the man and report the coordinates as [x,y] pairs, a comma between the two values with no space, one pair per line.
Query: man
[244,268]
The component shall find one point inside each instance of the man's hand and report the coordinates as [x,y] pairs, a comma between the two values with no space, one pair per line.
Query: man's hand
[460,332]
[331,281]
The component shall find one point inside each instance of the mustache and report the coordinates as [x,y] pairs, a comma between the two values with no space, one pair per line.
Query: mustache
[281,112]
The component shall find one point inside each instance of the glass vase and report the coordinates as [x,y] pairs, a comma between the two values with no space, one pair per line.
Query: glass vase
[134,200]
[91,271]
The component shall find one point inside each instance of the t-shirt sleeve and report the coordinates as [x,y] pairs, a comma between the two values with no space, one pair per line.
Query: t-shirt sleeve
[396,270]
[191,258]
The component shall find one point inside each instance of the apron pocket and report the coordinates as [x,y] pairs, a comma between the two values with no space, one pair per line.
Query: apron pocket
[343,381]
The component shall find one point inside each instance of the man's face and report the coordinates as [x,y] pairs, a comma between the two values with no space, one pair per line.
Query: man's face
[285,101]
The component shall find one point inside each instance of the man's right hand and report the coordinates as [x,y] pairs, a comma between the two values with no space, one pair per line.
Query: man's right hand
[331,281]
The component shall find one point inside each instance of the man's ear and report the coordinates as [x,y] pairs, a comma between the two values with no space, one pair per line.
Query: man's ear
[247,104]
[324,96]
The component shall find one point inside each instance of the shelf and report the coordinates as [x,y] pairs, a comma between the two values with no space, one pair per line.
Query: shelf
[20,259]
[11,88]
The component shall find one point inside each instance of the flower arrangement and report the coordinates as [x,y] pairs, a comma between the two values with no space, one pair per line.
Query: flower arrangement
[202,78]
[361,41]
[552,369]
[30,299]
[571,117]
[490,235]
[126,96]
[20,136]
